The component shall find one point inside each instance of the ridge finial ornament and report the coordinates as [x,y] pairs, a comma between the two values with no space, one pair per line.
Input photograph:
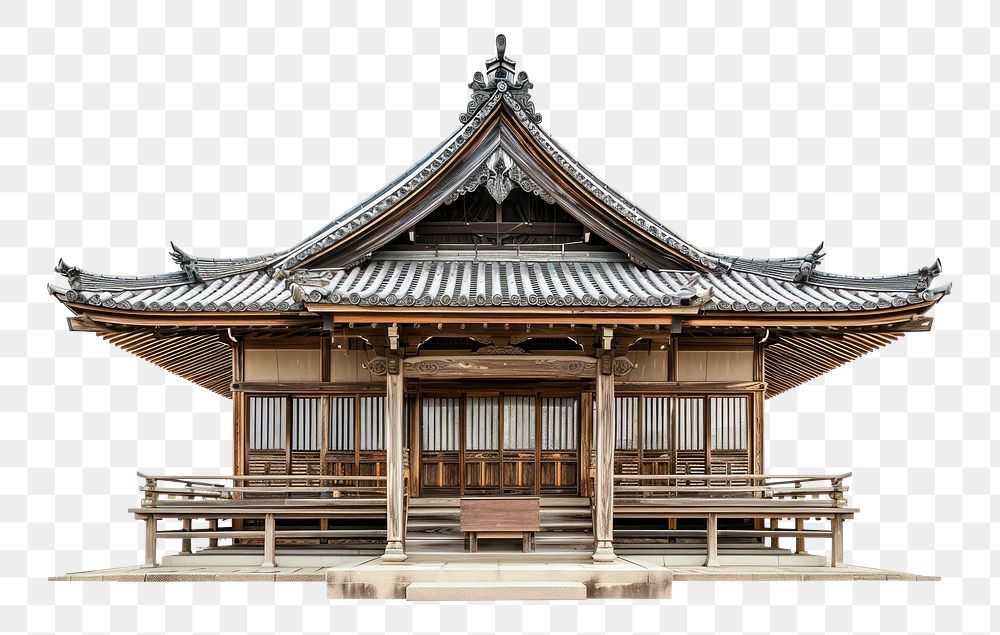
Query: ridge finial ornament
[187,263]
[925,275]
[809,263]
[500,78]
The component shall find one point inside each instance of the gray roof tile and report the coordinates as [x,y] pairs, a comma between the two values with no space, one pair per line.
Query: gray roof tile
[385,281]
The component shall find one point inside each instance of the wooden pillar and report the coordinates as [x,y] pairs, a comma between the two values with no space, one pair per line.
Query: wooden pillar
[800,541]
[213,524]
[269,540]
[837,551]
[775,543]
[586,429]
[186,542]
[604,443]
[150,541]
[395,521]
[712,540]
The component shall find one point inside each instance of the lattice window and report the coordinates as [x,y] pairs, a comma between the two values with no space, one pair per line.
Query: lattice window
[656,423]
[342,420]
[689,418]
[372,421]
[560,423]
[482,423]
[519,422]
[305,422]
[626,423]
[729,422]
[441,422]
[267,423]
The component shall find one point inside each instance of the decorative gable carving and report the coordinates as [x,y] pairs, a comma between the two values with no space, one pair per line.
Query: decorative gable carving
[500,175]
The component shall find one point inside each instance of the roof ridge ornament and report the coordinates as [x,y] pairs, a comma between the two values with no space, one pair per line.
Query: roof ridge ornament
[187,263]
[500,78]
[926,275]
[71,273]
[809,263]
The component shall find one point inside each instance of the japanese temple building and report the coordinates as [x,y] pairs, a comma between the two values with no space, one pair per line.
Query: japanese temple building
[499,324]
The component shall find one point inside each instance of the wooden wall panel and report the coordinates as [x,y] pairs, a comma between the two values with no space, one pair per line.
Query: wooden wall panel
[283,365]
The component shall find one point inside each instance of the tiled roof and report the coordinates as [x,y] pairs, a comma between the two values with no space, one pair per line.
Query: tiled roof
[254,291]
[383,281]
[283,280]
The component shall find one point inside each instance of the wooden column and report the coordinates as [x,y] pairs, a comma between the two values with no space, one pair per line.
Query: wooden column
[186,542]
[394,391]
[150,541]
[837,551]
[604,443]
[712,539]
[269,541]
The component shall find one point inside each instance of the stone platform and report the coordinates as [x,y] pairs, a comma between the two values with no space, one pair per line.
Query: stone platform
[358,573]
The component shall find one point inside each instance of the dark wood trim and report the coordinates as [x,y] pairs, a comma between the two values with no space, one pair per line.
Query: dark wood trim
[650,316]
[689,386]
[218,319]
[586,419]
[416,445]
[324,359]
[526,228]
[307,387]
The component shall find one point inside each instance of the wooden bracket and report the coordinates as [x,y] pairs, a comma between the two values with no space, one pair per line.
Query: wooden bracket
[607,338]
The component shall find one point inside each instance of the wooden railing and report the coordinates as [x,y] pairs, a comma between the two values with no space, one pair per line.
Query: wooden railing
[212,489]
[766,486]
[758,497]
[260,498]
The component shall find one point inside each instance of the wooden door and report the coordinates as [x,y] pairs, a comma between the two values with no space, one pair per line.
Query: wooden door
[520,444]
[440,445]
[481,444]
[488,443]
[559,444]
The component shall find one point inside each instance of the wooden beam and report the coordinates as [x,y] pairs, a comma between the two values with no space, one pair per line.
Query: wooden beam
[501,366]
[529,315]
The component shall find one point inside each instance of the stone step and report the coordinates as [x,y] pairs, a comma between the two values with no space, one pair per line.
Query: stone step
[513,590]
[495,574]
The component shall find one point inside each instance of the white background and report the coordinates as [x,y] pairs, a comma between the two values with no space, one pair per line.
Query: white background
[756,129]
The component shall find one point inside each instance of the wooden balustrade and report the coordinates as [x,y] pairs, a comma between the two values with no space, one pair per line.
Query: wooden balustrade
[263,498]
[764,498]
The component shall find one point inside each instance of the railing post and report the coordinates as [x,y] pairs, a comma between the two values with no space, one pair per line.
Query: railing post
[186,542]
[775,541]
[800,541]
[150,541]
[837,485]
[837,550]
[712,540]
[149,496]
[269,540]
[213,524]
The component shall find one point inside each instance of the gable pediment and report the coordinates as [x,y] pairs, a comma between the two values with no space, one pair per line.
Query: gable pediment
[500,153]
